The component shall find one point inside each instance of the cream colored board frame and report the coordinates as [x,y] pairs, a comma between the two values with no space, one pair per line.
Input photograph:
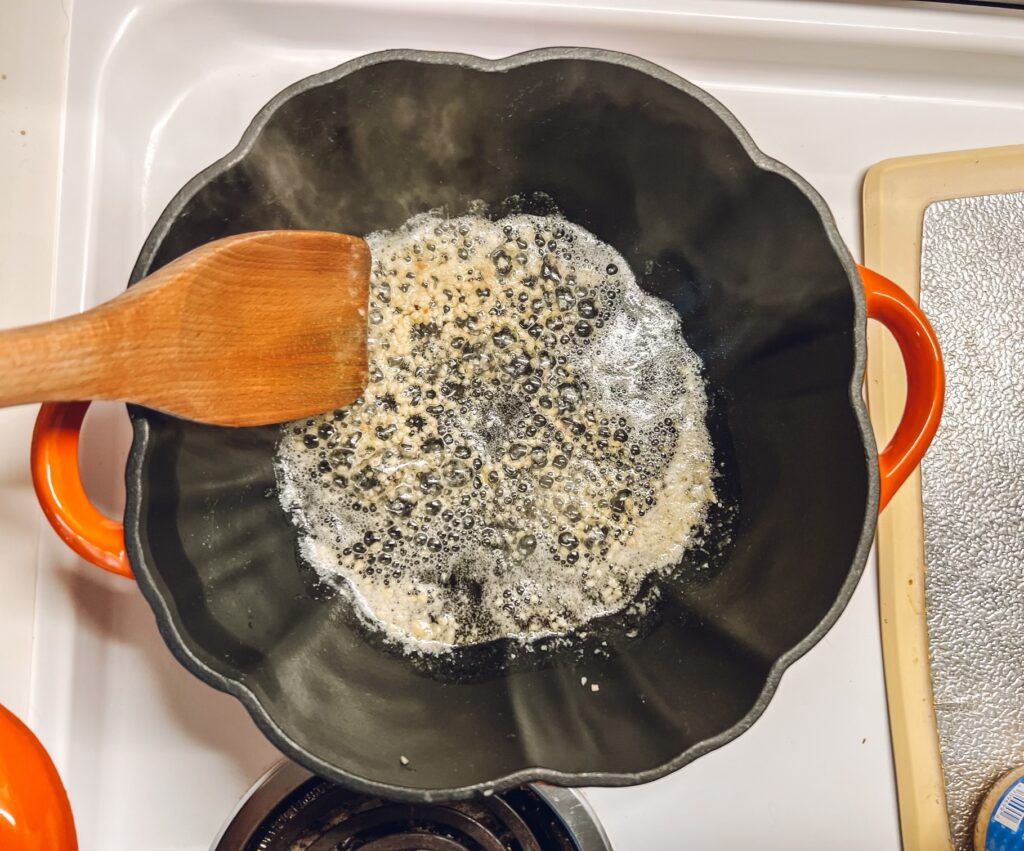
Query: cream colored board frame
[896,194]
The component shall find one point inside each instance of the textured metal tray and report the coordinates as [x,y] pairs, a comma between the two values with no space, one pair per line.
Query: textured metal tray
[951,654]
[972,266]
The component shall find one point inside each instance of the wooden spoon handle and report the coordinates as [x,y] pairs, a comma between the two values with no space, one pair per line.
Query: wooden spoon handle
[86,356]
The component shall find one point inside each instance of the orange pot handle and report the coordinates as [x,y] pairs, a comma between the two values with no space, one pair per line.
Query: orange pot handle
[58,483]
[926,379]
[34,811]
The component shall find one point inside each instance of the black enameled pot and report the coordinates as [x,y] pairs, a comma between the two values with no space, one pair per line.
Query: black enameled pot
[769,298]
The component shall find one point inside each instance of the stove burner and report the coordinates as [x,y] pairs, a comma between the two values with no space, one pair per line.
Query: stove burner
[291,810]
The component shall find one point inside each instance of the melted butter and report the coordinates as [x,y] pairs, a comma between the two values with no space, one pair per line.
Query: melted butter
[530,446]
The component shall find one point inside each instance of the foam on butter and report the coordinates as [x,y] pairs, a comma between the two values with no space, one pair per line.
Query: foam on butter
[530,446]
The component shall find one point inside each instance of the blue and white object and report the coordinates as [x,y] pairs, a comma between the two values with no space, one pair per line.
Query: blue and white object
[1002,819]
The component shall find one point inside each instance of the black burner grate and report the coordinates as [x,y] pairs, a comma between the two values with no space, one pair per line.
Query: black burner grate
[318,815]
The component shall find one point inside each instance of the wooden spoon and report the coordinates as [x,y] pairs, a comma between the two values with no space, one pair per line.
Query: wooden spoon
[249,330]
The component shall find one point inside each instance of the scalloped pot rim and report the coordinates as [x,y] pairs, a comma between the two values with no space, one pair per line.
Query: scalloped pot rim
[166,617]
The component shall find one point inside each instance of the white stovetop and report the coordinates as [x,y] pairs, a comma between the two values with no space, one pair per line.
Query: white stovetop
[33,59]
[815,771]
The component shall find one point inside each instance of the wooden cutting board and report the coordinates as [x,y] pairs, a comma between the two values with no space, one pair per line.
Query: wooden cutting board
[896,194]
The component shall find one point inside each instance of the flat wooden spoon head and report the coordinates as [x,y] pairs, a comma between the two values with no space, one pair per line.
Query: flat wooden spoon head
[249,330]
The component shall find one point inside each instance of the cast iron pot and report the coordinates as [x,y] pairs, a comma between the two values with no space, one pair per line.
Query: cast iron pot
[742,247]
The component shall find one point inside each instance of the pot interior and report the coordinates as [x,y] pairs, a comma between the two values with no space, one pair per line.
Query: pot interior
[743,255]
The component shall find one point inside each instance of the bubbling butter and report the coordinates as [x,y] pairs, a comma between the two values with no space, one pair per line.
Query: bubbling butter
[530,446]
